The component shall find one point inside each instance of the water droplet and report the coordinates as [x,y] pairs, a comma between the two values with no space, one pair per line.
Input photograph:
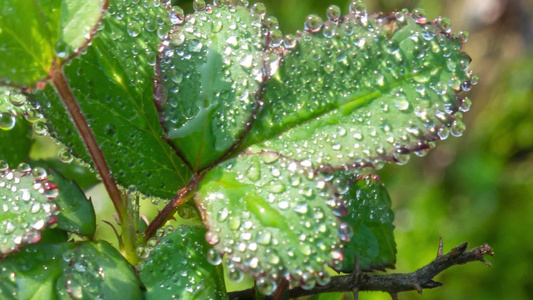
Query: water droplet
[266,286]
[358,7]
[133,29]
[143,251]
[235,275]
[419,15]
[40,128]
[259,9]
[61,49]
[7,121]
[177,15]
[333,12]
[466,103]
[199,5]
[213,257]
[110,130]
[65,156]
[313,23]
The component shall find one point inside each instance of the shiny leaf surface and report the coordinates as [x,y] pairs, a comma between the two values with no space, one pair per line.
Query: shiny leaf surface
[364,91]
[36,34]
[211,69]
[113,85]
[273,218]
[177,267]
[85,270]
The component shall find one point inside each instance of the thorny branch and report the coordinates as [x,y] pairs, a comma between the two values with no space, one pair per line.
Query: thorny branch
[392,283]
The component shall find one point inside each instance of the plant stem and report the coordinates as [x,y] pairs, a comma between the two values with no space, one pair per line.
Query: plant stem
[184,195]
[64,91]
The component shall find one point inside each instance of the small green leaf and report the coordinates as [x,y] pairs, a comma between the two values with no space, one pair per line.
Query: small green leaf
[35,34]
[210,72]
[27,207]
[273,218]
[76,213]
[177,268]
[363,91]
[371,217]
[113,85]
[15,131]
[85,270]
[82,175]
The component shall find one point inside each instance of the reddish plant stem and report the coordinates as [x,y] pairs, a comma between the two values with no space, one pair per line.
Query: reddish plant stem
[64,91]
[168,211]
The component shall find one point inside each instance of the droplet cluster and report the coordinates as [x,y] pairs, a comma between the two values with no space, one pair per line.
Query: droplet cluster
[76,270]
[273,218]
[25,205]
[369,222]
[210,70]
[176,266]
[86,276]
[361,90]
[14,106]
[122,115]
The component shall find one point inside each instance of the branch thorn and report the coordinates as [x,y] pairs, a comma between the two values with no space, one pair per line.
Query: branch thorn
[418,288]
[440,251]
[355,292]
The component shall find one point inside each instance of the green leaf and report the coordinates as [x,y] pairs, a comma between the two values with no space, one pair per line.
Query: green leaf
[15,131]
[177,268]
[82,175]
[76,212]
[36,34]
[273,218]
[26,204]
[85,270]
[364,91]
[371,217]
[113,85]
[210,72]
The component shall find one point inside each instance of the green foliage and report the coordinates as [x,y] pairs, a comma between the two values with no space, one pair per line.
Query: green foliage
[370,217]
[177,267]
[273,217]
[37,34]
[359,91]
[15,131]
[122,115]
[76,213]
[268,133]
[83,270]
[209,81]
[26,199]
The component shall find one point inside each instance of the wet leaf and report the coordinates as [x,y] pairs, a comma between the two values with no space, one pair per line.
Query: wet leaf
[273,218]
[26,198]
[82,175]
[85,270]
[34,34]
[177,267]
[76,212]
[113,85]
[371,217]
[15,131]
[211,69]
[363,91]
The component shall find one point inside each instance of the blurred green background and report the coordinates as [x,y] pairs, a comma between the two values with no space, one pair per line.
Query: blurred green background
[477,188]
